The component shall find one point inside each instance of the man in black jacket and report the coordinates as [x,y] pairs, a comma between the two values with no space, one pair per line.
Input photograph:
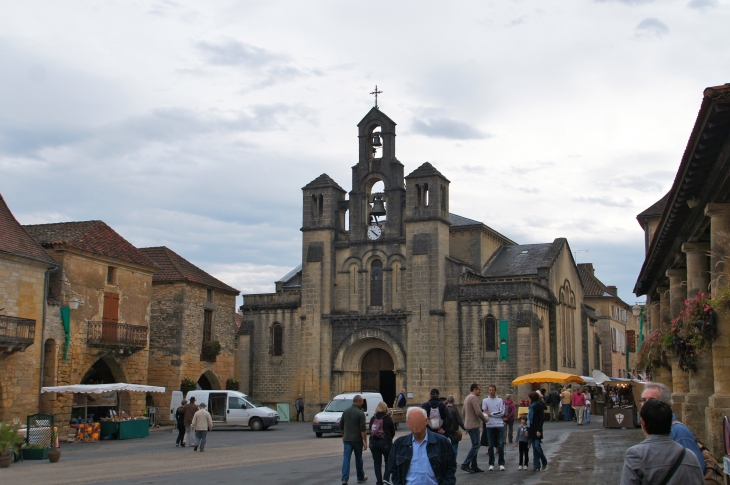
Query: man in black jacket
[535,420]
[422,456]
[444,415]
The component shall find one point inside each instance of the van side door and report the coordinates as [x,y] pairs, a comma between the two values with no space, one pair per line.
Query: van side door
[237,413]
[217,406]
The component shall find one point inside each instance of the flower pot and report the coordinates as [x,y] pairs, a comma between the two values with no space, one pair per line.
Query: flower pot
[34,453]
[54,456]
[5,461]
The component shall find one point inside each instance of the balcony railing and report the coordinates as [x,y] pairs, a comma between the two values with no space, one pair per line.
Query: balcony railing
[16,333]
[118,335]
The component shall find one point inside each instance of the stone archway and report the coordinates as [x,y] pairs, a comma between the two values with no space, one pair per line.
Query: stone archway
[208,381]
[370,359]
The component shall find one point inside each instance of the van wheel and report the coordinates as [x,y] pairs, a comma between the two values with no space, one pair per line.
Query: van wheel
[318,435]
[256,424]
[397,425]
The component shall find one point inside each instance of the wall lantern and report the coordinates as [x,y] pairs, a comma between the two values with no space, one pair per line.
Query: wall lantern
[73,303]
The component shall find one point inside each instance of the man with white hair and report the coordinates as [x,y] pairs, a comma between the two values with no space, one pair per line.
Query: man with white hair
[422,457]
[679,433]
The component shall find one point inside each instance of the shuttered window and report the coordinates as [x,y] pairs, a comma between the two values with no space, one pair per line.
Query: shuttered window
[208,326]
[111,307]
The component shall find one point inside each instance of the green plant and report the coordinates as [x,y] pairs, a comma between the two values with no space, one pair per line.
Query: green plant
[10,440]
[653,353]
[232,384]
[34,447]
[187,384]
[211,349]
[692,332]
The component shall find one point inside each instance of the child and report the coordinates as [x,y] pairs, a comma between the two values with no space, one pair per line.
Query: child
[523,443]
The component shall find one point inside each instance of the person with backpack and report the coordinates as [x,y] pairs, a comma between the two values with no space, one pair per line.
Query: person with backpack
[382,431]
[659,459]
[439,419]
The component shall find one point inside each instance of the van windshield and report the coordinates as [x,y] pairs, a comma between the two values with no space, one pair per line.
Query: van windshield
[253,403]
[338,405]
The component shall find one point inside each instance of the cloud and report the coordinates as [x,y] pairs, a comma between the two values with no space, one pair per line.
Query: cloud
[448,128]
[473,168]
[533,167]
[530,190]
[626,2]
[651,27]
[703,4]
[607,201]
[235,53]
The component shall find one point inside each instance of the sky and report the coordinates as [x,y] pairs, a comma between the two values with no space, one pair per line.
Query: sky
[195,125]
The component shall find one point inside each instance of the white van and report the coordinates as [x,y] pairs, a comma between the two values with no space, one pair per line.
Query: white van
[328,421]
[229,408]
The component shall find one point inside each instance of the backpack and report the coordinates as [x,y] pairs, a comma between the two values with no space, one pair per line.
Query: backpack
[376,430]
[713,471]
[434,418]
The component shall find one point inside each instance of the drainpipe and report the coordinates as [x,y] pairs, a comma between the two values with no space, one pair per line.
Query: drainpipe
[43,339]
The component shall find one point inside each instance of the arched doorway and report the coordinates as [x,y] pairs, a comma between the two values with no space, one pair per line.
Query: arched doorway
[99,373]
[377,374]
[208,381]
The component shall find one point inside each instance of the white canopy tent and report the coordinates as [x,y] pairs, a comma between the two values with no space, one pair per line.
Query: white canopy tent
[102,389]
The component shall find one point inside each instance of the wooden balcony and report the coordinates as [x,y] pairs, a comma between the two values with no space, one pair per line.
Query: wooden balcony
[117,335]
[16,334]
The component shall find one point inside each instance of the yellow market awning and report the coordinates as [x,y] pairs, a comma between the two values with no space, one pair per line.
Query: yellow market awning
[548,376]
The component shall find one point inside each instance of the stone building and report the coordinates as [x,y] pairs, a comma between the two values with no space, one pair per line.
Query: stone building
[407,294]
[98,323]
[190,309]
[615,325]
[688,241]
[24,269]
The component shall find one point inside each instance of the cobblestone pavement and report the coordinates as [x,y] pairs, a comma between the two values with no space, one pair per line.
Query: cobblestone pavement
[290,454]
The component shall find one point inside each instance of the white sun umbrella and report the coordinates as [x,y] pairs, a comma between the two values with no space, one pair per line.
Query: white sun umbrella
[102,389]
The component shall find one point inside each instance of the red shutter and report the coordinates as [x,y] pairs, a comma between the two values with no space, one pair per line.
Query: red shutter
[631,340]
[111,307]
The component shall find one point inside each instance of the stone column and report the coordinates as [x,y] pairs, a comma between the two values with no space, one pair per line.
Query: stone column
[680,379]
[701,383]
[719,402]
[665,375]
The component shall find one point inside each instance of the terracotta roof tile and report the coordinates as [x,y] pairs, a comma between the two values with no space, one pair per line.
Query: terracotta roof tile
[16,241]
[92,236]
[172,267]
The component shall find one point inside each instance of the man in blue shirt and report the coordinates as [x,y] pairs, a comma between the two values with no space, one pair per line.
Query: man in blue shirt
[679,433]
[422,457]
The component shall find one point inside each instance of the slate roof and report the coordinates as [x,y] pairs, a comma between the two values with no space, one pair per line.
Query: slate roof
[171,267]
[457,220]
[426,170]
[592,286]
[520,260]
[323,181]
[16,241]
[291,274]
[656,209]
[92,236]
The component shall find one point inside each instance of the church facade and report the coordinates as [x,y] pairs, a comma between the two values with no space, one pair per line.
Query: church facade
[394,291]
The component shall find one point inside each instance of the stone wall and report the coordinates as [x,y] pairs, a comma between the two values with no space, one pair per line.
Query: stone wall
[21,295]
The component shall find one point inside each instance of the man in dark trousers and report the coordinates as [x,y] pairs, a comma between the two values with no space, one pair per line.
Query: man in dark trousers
[190,409]
[402,399]
[437,422]
[355,439]
[299,406]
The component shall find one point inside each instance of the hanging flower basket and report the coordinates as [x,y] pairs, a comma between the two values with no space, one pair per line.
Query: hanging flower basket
[232,384]
[187,384]
[692,332]
[652,353]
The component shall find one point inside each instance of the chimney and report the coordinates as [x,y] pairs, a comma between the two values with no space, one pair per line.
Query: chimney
[613,290]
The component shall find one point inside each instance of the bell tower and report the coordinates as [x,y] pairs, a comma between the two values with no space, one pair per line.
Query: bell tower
[377,163]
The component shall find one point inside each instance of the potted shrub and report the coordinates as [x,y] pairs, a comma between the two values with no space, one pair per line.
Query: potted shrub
[187,384]
[232,384]
[55,454]
[210,350]
[10,440]
[34,452]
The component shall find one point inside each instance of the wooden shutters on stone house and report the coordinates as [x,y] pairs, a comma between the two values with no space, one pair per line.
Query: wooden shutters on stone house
[110,317]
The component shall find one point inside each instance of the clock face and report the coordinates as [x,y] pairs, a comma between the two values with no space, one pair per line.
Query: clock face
[374,232]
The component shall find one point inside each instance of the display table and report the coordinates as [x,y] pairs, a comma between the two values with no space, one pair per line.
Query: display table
[126,430]
[624,418]
[523,410]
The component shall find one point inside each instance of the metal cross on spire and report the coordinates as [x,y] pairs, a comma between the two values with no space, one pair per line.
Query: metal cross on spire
[376,92]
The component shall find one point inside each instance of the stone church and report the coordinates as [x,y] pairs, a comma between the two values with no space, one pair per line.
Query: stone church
[394,291]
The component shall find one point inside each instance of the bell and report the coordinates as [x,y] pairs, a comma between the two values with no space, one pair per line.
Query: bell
[378,207]
[376,141]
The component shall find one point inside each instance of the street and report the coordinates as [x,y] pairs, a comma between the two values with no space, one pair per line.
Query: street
[291,454]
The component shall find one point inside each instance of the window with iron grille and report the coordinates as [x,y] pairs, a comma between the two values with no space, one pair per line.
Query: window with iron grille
[278,336]
[208,326]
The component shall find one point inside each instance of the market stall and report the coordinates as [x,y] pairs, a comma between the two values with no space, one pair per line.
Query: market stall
[120,424]
[544,377]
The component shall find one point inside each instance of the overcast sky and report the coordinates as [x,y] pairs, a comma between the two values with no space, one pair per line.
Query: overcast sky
[195,124]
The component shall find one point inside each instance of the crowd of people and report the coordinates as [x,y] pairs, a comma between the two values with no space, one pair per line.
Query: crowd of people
[428,454]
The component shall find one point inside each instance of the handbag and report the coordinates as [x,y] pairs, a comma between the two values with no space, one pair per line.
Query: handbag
[457,435]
